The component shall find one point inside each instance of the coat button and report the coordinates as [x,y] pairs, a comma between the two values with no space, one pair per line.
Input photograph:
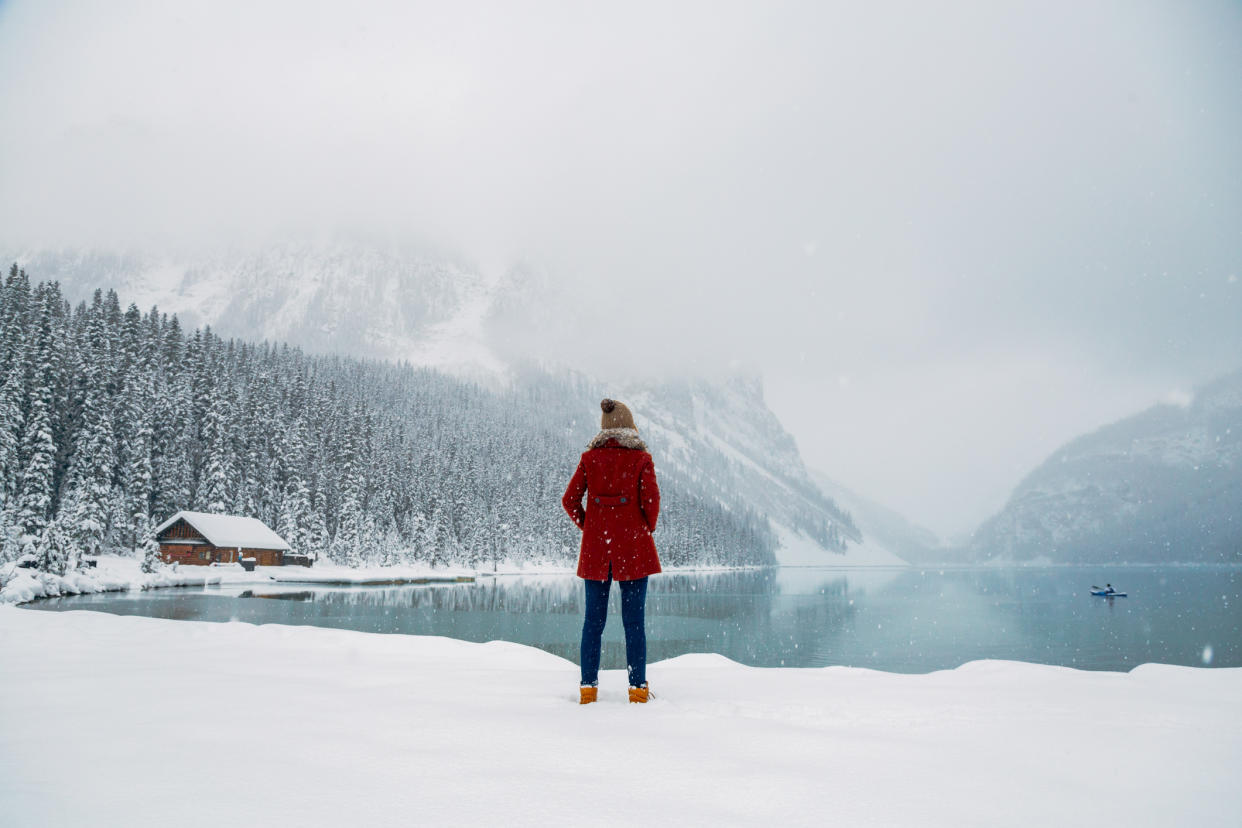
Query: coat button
[597,500]
[623,500]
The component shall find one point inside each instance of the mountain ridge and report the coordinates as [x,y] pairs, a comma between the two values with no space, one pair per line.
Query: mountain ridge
[885,527]
[404,305]
[1163,485]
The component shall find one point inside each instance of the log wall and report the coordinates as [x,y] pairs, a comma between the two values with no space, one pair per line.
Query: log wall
[202,554]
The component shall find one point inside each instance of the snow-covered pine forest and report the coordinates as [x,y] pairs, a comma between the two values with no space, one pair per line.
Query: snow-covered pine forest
[112,420]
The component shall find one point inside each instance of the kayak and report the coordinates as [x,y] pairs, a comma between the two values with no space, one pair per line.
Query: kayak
[1103,593]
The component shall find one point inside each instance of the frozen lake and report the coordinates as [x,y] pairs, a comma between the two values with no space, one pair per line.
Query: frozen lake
[902,620]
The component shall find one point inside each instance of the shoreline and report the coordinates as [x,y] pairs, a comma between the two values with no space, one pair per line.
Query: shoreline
[121,574]
[114,573]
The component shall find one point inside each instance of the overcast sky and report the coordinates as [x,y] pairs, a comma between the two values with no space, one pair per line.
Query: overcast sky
[949,235]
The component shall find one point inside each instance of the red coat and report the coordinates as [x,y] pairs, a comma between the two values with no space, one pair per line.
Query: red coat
[623,502]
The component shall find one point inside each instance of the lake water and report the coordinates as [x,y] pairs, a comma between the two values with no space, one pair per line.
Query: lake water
[902,620]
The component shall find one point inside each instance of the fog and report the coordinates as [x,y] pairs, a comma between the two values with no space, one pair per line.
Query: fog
[949,236]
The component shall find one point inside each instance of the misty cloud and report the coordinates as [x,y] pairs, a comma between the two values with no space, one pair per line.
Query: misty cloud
[949,236]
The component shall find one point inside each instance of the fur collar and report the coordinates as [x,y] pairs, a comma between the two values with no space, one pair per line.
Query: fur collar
[626,437]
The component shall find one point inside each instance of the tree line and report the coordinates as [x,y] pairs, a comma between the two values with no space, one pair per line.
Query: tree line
[112,420]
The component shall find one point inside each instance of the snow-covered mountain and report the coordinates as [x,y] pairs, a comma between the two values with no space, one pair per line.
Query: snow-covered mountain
[383,301]
[402,303]
[1164,485]
[726,443]
[885,530]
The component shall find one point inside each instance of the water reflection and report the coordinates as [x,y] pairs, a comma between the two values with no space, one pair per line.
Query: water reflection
[305,595]
[905,620]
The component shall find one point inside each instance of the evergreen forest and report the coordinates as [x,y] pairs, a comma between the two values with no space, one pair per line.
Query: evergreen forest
[112,420]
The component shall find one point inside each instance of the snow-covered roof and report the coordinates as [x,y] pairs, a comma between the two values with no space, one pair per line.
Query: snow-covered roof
[229,531]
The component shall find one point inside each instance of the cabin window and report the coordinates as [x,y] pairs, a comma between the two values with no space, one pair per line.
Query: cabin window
[202,554]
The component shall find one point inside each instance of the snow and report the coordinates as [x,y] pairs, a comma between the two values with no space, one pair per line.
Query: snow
[796,549]
[121,720]
[419,307]
[116,574]
[458,344]
[113,574]
[229,531]
[329,574]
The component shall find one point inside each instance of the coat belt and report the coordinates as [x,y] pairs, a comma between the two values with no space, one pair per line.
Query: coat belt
[610,500]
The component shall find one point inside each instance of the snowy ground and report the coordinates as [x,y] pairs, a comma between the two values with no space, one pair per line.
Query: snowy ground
[328,574]
[118,720]
[112,574]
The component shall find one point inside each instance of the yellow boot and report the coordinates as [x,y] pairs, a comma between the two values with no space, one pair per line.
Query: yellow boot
[639,694]
[587,694]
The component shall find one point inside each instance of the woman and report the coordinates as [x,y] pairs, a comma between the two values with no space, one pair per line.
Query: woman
[623,501]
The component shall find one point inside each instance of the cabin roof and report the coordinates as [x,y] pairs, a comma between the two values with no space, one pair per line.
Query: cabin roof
[229,531]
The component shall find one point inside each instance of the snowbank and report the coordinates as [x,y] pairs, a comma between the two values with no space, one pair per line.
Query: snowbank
[115,574]
[330,574]
[111,574]
[123,720]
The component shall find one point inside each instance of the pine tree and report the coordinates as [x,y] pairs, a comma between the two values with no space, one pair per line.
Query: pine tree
[34,498]
[38,448]
[148,549]
[11,393]
[295,501]
[90,475]
[56,549]
[316,535]
[294,514]
[216,488]
[175,443]
[10,536]
[15,313]
[347,544]
[137,474]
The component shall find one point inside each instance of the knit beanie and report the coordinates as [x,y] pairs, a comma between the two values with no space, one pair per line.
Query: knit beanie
[616,415]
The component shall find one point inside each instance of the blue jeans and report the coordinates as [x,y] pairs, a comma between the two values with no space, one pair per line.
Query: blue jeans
[633,605]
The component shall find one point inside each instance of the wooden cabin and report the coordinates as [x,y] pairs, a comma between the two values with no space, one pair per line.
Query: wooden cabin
[200,539]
